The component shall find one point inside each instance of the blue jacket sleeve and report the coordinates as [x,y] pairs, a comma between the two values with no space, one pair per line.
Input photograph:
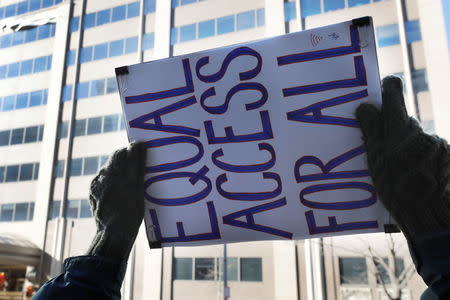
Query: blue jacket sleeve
[86,278]
[431,255]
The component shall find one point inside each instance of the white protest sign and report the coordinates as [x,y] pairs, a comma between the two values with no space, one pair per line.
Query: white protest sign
[257,141]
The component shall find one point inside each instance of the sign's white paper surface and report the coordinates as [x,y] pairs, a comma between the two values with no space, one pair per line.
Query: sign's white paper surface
[257,141]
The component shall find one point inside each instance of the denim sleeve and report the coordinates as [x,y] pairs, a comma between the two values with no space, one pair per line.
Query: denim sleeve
[431,255]
[86,278]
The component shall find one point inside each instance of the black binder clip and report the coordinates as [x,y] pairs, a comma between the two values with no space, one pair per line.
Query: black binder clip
[363,21]
[155,244]
[122,70]
[391,228]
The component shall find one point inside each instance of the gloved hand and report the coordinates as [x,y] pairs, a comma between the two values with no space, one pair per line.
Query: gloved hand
[117,202]
[410,169]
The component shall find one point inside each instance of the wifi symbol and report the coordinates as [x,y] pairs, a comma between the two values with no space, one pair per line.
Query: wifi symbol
[315,39]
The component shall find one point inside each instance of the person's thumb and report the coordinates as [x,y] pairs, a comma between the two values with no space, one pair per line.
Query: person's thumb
[369,118]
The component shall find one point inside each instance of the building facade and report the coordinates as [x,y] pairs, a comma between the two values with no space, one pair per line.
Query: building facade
[60,119]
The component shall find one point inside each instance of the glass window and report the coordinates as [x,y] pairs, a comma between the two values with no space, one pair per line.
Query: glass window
[246,20]
[63,130]
[82,90]
[413,33]
[47,3]
[204,269]
[85,210]
[35,98]
[89,20]
[148,41]
[103,160]
[175,3]
[330,5]
[182,268]
[35,5]
[70,60]
[131,45]
[31,134]
[97,87]
[41,132]
[2,12]
[3,72]
[31,214]
[103,17]
[94,125]
[352,3]
[5,41]
[419,79]
[67,93]
[13,70]
[399,267]
[261,16]
[44,96]
[90,165]
[49,64]
[122,122]
[74,24]
[85,54]
[31,35]
[251,269]
[54,209]
[40,64]
[101,51]
[4,137]
[388,35]
[80,127]
[110,123]
[17,136]
[8,103]
[72,208]
[7,212]
[18,37]
[290,12]
[116,48]
[59,168]
[12,173]
[111,85]
[44,31]
[21,212]
[22,101]
[22,7]
[118,13]
[10,10]
[75,167]
[26,67]
[184,2]
[232,268]
[149,6]
[2,174]
[353,270]
[206,29]
[188,32]
[26,172]
[225,24]
[133,10]
[310,7]
[173,35]
[36,171]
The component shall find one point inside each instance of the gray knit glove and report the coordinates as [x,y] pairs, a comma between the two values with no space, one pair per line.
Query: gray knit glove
[117,202]
[410,169]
